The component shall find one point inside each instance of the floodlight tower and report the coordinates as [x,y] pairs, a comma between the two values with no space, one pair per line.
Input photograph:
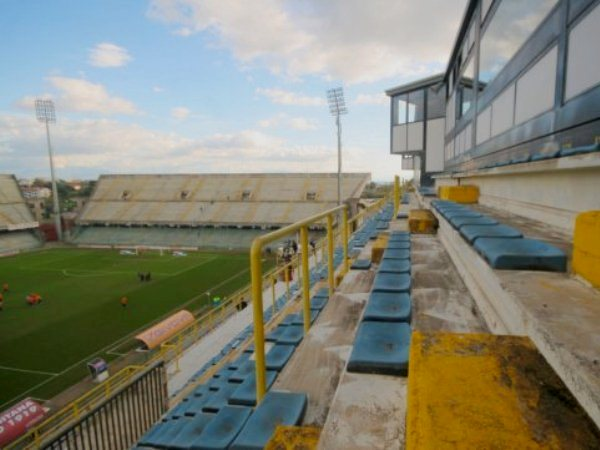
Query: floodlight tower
[44,111]
[337,107]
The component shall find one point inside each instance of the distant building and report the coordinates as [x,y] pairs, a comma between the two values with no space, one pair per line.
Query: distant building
[33,192]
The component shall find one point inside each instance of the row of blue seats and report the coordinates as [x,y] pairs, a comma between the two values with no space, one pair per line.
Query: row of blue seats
[503,247]
[219,415]
[543,155]
[381,345]
[372,227]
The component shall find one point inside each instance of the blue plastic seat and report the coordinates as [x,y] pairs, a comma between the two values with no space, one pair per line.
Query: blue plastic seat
[318,303]
[178,410]
[299,317]
[472,232]
[215,402]
[292,335]
[194,406]
[392,282]
[521,254]
[395,253]
[399,236]
[361,264]
[223,429]
[396,245]
[382,225]
[388,307]
[382,348]
[579,150]
[245,393]
[455,214]
[163,433]
[278,356]
[394,266]
[554,153]
[288,320]
[323,292]
[274,334]
[243,372]
[190,432]
[458,222]
[277,408]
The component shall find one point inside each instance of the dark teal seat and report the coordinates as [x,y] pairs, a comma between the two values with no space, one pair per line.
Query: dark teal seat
[243,372]
[323,292]
[388,307]
[472,232]
[274,334]
[178,410]
[399,236]
[399,245]
[467,214]
[299,317]
[240,360]
[223,429]
[194,406]
[394,266]
[318,303]
[292,335]
[245,394]
[395,253]
[382,225]
[278,356]
[392,282]
[458,222]
[521,254]
[190,432]
[361,264]
[163,433]
[218,399]
[579,150]
[288,320]
[381,347]
[277,408]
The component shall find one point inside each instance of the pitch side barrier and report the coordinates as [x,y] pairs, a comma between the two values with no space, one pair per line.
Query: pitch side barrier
[172,350]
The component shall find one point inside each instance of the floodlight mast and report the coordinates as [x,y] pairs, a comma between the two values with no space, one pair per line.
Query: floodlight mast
[44,111]
[337,107]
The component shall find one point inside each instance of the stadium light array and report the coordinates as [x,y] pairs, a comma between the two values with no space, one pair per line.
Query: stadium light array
[45,112]
[337,107]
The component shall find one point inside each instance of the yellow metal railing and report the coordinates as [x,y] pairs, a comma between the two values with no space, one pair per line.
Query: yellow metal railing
[172,349]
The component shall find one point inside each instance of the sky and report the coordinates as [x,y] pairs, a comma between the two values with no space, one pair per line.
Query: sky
[211,86]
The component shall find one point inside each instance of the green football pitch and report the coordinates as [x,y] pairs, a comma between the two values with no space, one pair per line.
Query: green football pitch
[44,348]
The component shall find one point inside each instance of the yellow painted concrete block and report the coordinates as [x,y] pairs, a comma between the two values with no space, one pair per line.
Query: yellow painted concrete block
[586,246]
[378,248]
[459,194]
[294,438]
[483,391]
[422,221]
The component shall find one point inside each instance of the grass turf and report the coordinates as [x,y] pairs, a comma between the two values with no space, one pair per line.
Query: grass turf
[44,348]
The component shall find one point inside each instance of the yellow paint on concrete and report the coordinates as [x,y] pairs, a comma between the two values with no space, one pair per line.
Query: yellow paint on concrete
[422,221]
[379,247]
[460,194]
[482,391]
[586,246]
[294,438]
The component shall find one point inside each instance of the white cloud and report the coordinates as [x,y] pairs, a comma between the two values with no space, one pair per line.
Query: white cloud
[73,94]
[372,99]
[283,120]
[352,40]
[106,54]
[180,113]
[157,89]
[283,97]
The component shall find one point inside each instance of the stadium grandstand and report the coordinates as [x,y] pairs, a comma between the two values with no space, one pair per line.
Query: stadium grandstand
[17,225]
[206,210]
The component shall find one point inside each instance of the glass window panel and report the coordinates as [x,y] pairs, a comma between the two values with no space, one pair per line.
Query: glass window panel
[400,109]
[416,106]
[510,26]
[435,102]
[485,7]
[466,87]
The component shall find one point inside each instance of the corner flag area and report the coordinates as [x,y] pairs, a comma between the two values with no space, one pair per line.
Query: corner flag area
[44,347]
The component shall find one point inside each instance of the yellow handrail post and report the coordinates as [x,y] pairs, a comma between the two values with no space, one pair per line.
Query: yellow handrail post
[396,194]
[257,310]
[345,239]
[273,294]
[305,277]
[286,272]
[330,267]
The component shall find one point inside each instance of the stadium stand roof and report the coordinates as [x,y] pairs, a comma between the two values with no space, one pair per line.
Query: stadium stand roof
[14,212]
[216,199]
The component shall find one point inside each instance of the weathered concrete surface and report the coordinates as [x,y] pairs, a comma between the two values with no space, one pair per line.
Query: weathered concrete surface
[486,391]
[367,414]
[319,360]
[441,301]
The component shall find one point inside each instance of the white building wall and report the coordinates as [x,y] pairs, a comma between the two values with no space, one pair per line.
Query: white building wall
[434,153]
